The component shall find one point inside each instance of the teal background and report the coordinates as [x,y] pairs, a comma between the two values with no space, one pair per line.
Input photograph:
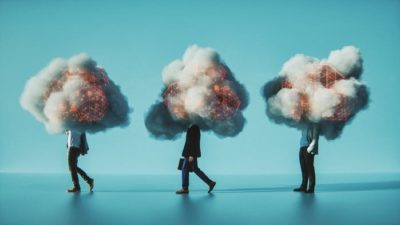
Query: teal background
[134,40]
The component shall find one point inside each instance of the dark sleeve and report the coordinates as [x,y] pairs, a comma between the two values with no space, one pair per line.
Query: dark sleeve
[186,147]
[84,144]
[196,143]
[316,133]
[192,142]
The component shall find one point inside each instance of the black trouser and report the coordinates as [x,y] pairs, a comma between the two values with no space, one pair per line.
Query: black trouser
[196,170]
[307,168]
[73,154]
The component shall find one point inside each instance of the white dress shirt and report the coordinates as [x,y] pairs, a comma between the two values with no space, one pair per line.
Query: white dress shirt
[309,138]
[74,139]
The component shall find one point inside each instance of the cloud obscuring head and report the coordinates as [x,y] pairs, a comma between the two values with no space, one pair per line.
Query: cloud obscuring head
[327,91]
[75,94]
[199,89]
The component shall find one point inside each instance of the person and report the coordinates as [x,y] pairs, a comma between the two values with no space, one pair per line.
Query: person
[308,149]
[77,145]
[191,152]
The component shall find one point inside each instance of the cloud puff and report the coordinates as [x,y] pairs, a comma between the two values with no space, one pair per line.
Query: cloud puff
[327,91]
[75,94]
[199,89]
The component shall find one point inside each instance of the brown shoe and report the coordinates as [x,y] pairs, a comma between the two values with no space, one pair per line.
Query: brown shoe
[91,184]
[211,186]
[74,190]
[182,191]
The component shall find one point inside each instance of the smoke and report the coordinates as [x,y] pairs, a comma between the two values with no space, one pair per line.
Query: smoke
[327,91]
[75,94]
[199,89]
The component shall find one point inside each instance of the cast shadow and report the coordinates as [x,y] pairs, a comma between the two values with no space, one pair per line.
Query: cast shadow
[194,208]
[137,191]
[79,208]
[359,186]
[335,187]
[251,190]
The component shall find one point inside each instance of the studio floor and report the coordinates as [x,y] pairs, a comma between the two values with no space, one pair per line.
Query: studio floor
[41,199]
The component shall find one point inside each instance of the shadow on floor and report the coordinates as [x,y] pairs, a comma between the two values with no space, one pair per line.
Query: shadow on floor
[339,187]
[363,186]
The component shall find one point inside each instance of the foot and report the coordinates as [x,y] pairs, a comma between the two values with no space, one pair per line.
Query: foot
[182,191]
[90,182]
[300,189]
[211,186]
[74,190]
[309,191]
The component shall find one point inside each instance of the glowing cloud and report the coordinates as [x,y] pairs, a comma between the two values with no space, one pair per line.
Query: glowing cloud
[75,94]
[199,89]
[325,91]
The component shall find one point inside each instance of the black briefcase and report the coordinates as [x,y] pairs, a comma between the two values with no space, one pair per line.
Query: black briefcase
[189,165]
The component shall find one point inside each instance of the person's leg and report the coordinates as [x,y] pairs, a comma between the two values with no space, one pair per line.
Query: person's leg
[185,178]
[311,172]
[72,164]
[88,180]
[303,167]
[304,170]
[185,174]
[83,174]
[200,173]
[211,184]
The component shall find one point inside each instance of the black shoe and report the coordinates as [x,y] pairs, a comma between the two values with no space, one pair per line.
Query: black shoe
[90,182]
[300,189]
[211,186]
[309,191]
[74,190]
[182,191]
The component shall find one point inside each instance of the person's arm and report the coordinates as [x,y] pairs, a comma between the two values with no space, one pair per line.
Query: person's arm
[84,144]
[311,146]
[194,141]
[315,133]
[192,146]
[67,133]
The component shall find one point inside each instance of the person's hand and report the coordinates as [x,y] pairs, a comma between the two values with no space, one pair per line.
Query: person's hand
[191,158]
[310,148]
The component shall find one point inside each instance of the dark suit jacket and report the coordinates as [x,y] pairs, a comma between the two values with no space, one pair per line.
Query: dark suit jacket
[84,147]
[192,144]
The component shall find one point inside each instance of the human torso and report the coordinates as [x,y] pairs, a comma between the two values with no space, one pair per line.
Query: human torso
[74,139]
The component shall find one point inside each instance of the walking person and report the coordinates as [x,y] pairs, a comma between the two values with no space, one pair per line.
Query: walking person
[191,152]
[77,145]
[308,149]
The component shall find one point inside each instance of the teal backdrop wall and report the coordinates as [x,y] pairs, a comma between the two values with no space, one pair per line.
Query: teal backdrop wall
[134,40]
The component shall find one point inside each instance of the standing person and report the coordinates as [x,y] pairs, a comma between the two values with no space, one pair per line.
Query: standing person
[191,152]
[308,149]
[77,145]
